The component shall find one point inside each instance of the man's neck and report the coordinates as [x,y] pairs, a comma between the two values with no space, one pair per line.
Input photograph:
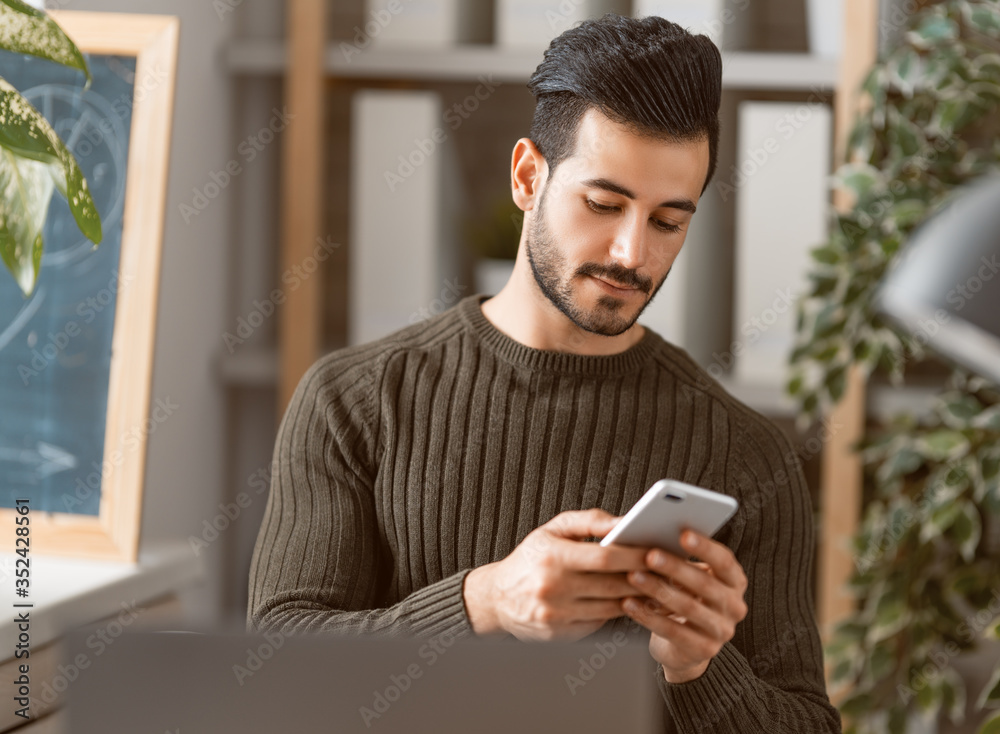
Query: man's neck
[522,312]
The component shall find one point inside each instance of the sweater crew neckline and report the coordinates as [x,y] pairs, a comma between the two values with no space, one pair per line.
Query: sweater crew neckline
[521,355]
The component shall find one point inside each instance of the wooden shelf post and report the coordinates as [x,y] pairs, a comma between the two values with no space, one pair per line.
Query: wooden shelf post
[842,478]
[301,191]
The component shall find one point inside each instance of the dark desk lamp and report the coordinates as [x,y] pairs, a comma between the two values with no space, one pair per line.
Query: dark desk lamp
[945,289]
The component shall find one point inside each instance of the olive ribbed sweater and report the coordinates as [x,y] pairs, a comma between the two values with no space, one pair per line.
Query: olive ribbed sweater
[403,463]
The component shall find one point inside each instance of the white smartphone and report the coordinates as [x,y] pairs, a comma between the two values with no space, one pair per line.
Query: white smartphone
[665,510]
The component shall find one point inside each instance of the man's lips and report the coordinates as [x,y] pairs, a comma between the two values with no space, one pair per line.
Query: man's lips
[613,285]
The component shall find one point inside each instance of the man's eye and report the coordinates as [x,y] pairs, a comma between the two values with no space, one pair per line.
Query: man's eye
[658,223]
[666,226]
[602,208]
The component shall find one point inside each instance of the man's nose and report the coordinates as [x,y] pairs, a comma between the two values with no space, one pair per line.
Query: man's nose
[629,247]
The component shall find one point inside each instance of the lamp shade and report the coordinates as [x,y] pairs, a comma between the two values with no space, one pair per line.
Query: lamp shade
[945,288]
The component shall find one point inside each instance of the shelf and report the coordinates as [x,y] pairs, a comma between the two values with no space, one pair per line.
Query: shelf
[251,367]
[68,592]
[757,71]
[884,401]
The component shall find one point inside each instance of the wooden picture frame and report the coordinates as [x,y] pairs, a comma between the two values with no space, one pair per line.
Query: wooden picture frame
[113,534]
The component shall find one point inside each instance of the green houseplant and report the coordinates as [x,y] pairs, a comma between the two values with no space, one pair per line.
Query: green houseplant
[498,235]
[494,240]
[33,160]
[926,580]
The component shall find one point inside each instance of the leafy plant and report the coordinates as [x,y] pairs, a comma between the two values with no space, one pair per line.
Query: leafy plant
[934,109]
[499,235]
[33,160]
[923,575]
[930,590]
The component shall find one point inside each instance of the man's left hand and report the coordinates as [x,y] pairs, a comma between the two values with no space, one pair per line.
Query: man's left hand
[691,608]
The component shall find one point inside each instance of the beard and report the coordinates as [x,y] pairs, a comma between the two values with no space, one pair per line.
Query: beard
[608,316]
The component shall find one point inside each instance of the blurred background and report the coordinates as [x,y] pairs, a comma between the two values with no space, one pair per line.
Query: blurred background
[340,169]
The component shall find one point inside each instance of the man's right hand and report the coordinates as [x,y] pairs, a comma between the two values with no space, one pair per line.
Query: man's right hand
[553,585]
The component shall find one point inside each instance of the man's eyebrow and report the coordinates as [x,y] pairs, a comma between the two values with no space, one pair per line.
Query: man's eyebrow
[602,183]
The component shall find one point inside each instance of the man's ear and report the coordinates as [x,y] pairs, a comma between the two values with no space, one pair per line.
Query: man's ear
[528,171]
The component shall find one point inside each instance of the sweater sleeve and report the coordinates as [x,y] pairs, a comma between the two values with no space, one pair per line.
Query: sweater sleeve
[320,563]
[769,678]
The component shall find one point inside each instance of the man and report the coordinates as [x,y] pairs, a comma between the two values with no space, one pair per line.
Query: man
[444,479]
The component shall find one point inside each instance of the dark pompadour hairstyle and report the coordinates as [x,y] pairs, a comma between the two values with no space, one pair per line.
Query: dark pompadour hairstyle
[648,74]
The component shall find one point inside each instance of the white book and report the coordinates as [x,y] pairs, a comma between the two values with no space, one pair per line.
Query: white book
[682,312]
[782,207]
[665,314]
[423,23]
[534,23]
[401,262]
[726,22]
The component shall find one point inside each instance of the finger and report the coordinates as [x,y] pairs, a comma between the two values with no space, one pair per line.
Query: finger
[712,623]
[696,580]
[581,524]
[593,610]
[571,632]
[592,557]
[591,585]
[688,575]
[693,644]
[578,611]
[720,558]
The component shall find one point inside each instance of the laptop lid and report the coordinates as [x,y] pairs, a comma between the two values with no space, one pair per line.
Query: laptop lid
[190,682]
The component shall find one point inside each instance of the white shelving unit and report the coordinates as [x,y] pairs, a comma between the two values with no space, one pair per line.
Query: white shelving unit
[749,71]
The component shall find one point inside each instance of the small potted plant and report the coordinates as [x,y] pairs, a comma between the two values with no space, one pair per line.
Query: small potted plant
[495,241]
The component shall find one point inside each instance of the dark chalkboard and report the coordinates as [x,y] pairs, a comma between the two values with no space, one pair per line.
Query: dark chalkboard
[55,346]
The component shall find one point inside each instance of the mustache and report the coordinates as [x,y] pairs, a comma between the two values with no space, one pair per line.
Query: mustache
[619,276]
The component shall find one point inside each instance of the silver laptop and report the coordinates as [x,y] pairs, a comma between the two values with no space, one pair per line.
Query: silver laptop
[217,683]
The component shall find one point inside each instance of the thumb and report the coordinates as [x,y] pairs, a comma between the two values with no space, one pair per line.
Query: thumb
[581,524]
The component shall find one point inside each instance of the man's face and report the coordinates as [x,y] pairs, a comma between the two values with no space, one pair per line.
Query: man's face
[615,213]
